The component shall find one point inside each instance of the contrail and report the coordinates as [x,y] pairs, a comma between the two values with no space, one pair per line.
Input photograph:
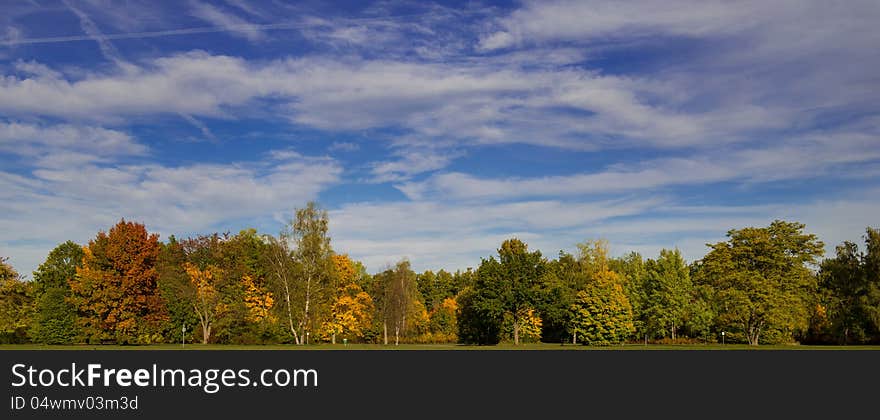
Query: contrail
[91,29]
[184,31]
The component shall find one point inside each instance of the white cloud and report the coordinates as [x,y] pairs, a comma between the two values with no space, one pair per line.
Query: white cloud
[436,234]
[455,235]
[73,202]
[412,161]
[55,144]
[603,20]
[472,103]
[812,156]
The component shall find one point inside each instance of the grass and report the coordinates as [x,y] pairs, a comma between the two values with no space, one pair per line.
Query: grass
[503,346]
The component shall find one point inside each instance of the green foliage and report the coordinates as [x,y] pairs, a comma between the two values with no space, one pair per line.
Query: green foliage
[847,311]
[54,320]
[508,285]
[479,317]
[631,269]
[758,287]
[761,285]
[16,305]
[174,288]
[670,300]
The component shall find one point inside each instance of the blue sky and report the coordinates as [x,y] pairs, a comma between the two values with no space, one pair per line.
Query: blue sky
[434,131]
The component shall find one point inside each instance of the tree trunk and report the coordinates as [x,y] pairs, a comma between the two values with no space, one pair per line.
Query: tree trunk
[574,337]
[333,338]
[290,313]
[397,335]
[673,330]
[306,311]
[515,331]
[206,333]
[385,331]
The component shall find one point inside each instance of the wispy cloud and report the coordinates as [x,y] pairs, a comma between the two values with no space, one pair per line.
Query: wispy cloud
[91,29]
[71,200]
[229,21]
[50,142]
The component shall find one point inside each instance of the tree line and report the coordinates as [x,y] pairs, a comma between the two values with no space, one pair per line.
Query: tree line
[762,285]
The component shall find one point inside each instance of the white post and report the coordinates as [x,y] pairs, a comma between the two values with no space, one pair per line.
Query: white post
[183,335]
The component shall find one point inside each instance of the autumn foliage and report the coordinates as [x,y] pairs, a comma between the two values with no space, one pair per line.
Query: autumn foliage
[115,291]
[126,287]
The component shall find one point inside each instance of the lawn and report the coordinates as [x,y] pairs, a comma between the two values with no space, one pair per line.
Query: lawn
[529,346]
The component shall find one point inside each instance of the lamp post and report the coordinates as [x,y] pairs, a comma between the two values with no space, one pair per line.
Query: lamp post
[183,335]
[722,338]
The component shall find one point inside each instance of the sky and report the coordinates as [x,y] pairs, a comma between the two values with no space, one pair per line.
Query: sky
[434,131]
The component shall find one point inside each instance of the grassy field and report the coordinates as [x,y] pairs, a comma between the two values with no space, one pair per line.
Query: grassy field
[455,347]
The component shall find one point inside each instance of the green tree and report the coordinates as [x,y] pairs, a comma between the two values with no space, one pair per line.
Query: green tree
[175,288]
[54,320]
[762,287]
[508,285]
[871,263]
[631,268]
[302,273]
[400,299]
[669,294]
[848,284]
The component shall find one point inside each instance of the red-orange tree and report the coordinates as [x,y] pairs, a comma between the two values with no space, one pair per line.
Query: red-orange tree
[115,291]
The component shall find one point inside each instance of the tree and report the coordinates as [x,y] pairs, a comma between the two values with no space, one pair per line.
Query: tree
[16,305]
[54,320]
[872,272]
[508,285]
[848,284]
[115,291]
[528,322]
[313,261]
[302,274]
[669,293]
[631,268]
[401,294]
[444,320]
[258,301]
[351,313]
[175,288]
[479,316]
[205,300]
[760,279]
[351,310]
[601,313]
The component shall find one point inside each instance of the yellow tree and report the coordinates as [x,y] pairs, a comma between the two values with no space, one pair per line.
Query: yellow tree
[205,298]
[343,266]
[601,313]
[16,304]
[259,303]
[350,314]
[530,324]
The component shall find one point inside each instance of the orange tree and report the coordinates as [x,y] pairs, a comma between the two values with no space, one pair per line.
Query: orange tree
[115,291]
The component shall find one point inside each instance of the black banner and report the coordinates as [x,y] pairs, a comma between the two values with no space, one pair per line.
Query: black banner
[446,384]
